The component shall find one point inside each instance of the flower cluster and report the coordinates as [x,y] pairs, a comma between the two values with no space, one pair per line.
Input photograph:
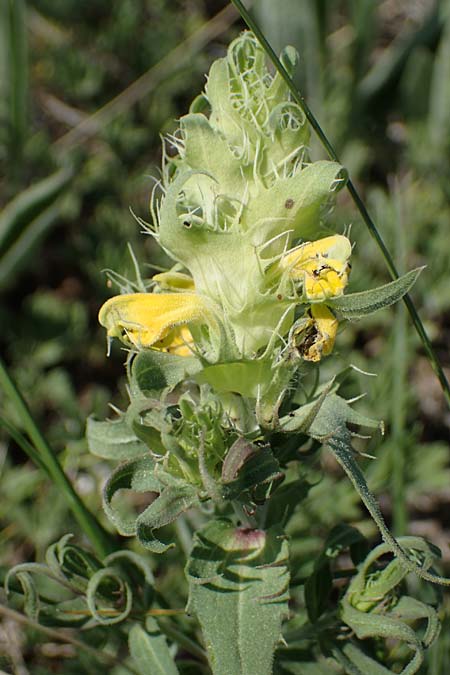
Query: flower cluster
[237,196]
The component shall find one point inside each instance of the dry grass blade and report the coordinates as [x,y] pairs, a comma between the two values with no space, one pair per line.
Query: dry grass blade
[149,80]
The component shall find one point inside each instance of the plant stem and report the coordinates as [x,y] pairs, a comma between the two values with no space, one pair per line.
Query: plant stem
[99,538]
[332,154]
[399,386]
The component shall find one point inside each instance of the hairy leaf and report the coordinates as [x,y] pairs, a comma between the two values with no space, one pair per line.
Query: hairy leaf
[154,370]
[238,589]
[171,497]
[357,305]
[149,650]
[113,439]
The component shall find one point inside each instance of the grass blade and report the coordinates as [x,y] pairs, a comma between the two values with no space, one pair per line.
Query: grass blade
[14,79]
[99,538]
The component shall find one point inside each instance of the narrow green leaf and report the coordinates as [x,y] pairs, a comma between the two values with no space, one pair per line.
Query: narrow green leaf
[317,591]
[285,501]
[31,596]
[149,650]
[25,221]
[389,627]
[318,586]
[13,79]
[386,72]
[99,538]
[128,559]
[357,305]
[73,562]
[356,662]
[238,589]
[28,205]
[138,474]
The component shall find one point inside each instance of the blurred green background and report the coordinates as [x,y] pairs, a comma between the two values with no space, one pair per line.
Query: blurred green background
[86,89]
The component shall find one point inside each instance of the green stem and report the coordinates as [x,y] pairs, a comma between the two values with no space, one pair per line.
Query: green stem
[332,154]
[48,461]
[399,387]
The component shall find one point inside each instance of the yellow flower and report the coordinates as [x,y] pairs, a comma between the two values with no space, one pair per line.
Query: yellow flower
[313,336]
[322,266]
[157,320]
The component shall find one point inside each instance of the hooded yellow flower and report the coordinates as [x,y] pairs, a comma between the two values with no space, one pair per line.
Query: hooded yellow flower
[322,266]
[158,320]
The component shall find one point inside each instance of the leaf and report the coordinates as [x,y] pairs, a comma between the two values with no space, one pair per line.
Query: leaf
[13,79]
[357,305]
[32,604]
[172,497]
[248,378]
[238,589]
[149,650]
[318,586]
[356,662]
[208,152]
[154,370]
[20,579]
[130,562]
[284,501]
[26,219]
[113,439]
[301,419]
[247,466]
[172,501]
[334,414]
[389,627]
[317,591]
[73,562]
[29,204]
